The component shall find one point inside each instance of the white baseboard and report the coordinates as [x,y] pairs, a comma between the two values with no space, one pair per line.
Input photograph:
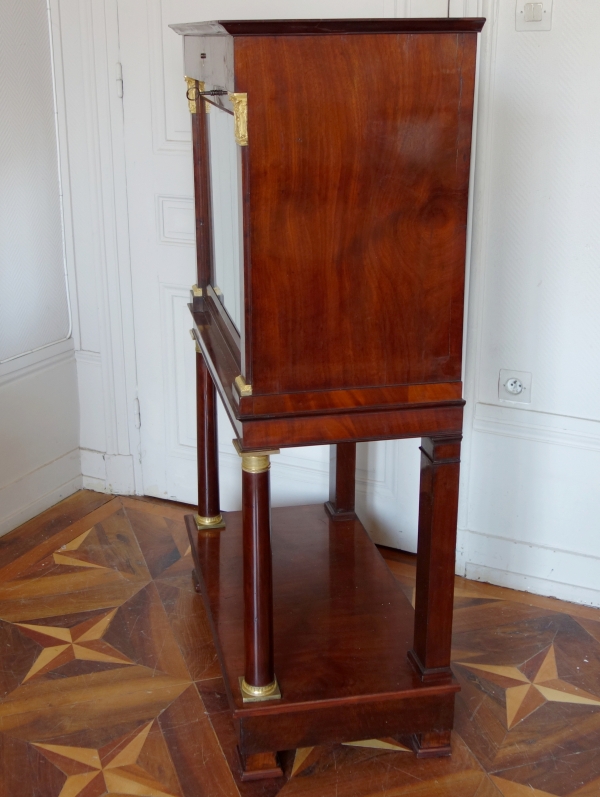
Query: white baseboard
[555,573]
[106,473]
[26,497]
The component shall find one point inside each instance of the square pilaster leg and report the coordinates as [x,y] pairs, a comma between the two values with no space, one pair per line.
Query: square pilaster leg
[438,514]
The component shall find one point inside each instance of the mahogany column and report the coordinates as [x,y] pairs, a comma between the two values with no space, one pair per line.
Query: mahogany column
[258,682]
[209,513]
[342,481]
[438,516]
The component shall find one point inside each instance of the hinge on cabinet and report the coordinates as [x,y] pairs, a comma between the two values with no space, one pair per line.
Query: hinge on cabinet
[242,388]
[240,116]
[138,415]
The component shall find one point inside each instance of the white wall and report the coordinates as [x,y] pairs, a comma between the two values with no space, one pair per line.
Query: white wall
[106,363]
[531,479]
[39,423]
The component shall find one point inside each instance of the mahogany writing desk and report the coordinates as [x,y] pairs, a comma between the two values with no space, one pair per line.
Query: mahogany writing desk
[331,167]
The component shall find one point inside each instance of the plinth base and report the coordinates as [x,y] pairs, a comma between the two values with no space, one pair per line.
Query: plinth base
[343,628]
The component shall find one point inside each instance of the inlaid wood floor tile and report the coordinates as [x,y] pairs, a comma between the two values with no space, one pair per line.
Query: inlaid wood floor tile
[141,630]
[57,519]
[137,763]
[25,772]
[190,626]
[487,789]
[194,748]
[36,585]
[162,541]
[534,696]
[44,706]
[52,541]
[560,775]
[80,642]
[591,626]
[508,788]
[109,680]
[489,591]
[349,771]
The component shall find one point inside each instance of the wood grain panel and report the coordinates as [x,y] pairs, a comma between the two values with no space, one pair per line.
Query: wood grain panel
[350,426]
[357,230]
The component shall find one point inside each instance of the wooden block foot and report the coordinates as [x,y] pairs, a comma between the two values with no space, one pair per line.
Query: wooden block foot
[259,766]
[335,515]
[435,744]
[431,675]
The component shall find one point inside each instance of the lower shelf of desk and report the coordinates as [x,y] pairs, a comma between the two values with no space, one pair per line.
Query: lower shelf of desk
[343,628]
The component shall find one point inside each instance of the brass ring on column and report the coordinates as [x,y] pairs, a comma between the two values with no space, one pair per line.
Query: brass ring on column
[252,694]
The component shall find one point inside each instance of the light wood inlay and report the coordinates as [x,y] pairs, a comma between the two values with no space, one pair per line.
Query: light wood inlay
[544,685]
[380,744]
[119,774]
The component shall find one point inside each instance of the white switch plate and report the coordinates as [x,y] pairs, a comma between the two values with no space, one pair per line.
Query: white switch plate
[526,8]
[505,396]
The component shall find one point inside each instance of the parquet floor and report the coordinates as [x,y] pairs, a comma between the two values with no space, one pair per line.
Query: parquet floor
[109,682]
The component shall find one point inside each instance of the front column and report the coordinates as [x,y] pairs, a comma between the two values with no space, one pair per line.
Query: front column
[259,681]
[209,513]
[438,515]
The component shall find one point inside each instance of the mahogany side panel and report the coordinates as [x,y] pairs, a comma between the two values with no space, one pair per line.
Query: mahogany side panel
[347,722]
[360,398]
[350,426]
[357,181]
[438,514]
[346,420]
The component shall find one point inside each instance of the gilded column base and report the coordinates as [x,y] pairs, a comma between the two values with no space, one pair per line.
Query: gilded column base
[205,523]
[256,694]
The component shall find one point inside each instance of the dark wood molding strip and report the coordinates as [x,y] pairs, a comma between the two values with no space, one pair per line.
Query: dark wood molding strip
[320,27]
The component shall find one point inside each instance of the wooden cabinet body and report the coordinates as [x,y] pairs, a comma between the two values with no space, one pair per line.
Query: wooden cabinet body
[346,235]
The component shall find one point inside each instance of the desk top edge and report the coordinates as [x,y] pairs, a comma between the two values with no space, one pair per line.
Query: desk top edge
[319,27]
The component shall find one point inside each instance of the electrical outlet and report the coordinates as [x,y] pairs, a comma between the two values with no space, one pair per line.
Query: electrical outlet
[533,16]
[514,387]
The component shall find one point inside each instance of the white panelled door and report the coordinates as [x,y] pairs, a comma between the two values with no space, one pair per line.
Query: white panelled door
[161,221]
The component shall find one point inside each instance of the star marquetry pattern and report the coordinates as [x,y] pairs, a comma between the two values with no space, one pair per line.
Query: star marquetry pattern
[307,756]
[62,645]
[62,558]
[112,769]
[532,684]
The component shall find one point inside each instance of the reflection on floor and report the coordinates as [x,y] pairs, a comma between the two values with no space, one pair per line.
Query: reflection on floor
[109,682]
